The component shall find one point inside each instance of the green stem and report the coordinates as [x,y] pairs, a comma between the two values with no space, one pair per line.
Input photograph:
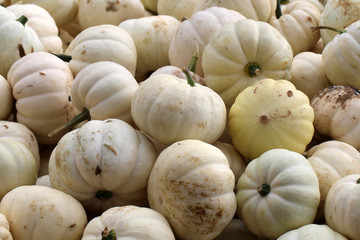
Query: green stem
[284,1]
[103,195]
[328,28]
[108,235]
[22,19]
[358,181]
[190,80]
[252,69]
[64,57]
[278,9]
[194,60]
[264,189]
[84,115]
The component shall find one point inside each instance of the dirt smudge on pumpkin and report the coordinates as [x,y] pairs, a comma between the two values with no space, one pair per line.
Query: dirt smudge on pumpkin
[111,6]
[97,170]
[21,50]
[339,95]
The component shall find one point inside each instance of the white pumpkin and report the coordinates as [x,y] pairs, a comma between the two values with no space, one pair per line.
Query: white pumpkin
[278,192]
[16,40]
[6,98]
[35,212]
[129,222]
[98,12]
[312,232]
[177,8]
[43,24]
[168,109]
[102,43]
[192,185]
[342,206]
[103,164]
[4,228]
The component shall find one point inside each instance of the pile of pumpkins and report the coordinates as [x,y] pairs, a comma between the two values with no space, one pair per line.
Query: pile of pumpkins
[179,119]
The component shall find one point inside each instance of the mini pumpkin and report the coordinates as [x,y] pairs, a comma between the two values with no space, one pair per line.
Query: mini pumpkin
[312,231]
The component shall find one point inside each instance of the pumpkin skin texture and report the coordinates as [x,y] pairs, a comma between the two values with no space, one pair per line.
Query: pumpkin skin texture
[312,232]
[332,160]
[278,192]
[103,164]
[102,85]
[104,42]
[295,25]
[152,36]
[41,85]
[16,40]
[6,98]
[177,8]
[337,114]
[271,114]
[168,109]
[338,14]
[4,228]
[342,206]
[17,166]
[307,73]
[192,186]
[130,222]
[196,32]
[238,56]
[341,57]
[37,211]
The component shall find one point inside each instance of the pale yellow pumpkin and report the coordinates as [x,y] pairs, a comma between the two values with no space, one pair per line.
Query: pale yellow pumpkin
[129,222]
[169,109]
[152,36]
[312,232]
[4,228]
[271,114]
[278,192]
[37,212]
[103,164]
[6,98]
[98,12]
[331,161]
[342,206]
[242,53]
[41,85]
[192,186]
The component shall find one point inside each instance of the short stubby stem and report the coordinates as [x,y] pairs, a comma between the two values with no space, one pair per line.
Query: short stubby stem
[264,118]
[103,195]
[108,235]
[264,189]
[252,69]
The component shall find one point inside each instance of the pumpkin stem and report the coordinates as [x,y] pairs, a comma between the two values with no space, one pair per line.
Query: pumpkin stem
[327,28]
[23,20]
[278,9]
[284,1]
[6,3]
[84,115]
[191,67]
[64,57]
[103,195]
[252,69]
[264,189]
[358,181]
[108,235]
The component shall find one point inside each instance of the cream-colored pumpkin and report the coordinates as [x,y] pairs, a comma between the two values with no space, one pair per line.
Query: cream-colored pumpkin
[37,212]
[194,34]
[19,132]
[342,206]
[6,98]
[16,40]
[4,228]
[17,166]
[331,161]
[43,24]
[168,109]
[63,11]
[129,222]
[253,9]
[43,181]
[242,53]
[103,43]
[338,14]
[271,114]
[341,58]
[152,36]
[105,89]
[178,72]
[337,114]
[312,232]
[98,12]
[319,47]
[307,73]
[278,192]
[41,85]
[318,4]
[192,185]
[103,164]
[295,24]
[150,5]
[177,8]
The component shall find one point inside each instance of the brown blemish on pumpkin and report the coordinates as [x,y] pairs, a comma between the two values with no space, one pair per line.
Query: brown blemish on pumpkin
[111,6]
[6,126]
[290,93]
[83,52]
[29,85]
[339,95]
[21,50]
[97,170]
[111,148]
[72,225]
[42,73]
[264,118]
[345,4]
